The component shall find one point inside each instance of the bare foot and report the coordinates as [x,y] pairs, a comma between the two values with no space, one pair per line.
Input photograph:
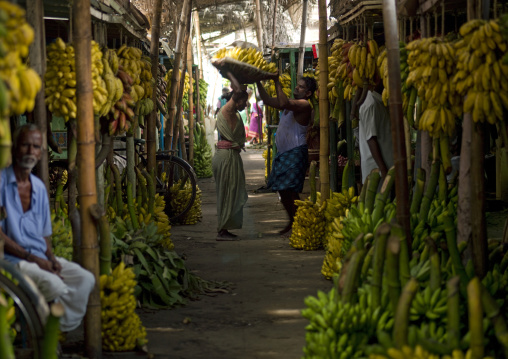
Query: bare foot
[286,229]
[225,235]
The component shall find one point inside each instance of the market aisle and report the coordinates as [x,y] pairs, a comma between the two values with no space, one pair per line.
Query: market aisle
[260,317]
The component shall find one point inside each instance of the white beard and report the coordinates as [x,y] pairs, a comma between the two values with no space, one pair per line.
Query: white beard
[28,162]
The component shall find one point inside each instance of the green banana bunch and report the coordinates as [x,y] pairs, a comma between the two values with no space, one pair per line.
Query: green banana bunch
[180,198]
[202,153]
[419,353]
[122,329]
[61,239]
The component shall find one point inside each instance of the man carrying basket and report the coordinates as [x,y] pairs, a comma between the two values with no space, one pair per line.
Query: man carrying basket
[290,163]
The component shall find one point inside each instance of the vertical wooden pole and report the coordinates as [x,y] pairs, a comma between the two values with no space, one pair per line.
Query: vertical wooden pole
[198,41]
[478,223]
[82,34]
[275,6]
[324,169]
[301,50]
[176,74]
[396,116]
[154,56]
[259,29]
[37,57]
[191,101]
[198,101]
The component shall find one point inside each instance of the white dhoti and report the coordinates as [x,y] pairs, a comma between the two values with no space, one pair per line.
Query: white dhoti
[72,289]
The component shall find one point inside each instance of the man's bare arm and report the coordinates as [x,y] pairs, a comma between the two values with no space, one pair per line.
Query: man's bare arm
[267,99]
[376,154]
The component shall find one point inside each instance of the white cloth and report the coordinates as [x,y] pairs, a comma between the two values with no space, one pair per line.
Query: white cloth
[290,134]
[374,121]
[72,290]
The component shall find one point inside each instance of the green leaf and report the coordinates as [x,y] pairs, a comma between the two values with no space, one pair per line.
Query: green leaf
[143,261]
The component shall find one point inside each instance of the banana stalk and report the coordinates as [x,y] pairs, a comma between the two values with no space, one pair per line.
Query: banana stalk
[59,192]
[363,195]
[444,146]
[475,315]
[131,207]
[429,192]
[118,190]
[374,178]
[151,190]
[404,271]
[379,258]
[401,319]
[493,311]
[6,349]
[105,245]
[443,186]
[451,241]
[418,191]
[382,196]
[453,312]
[352,276]
[392,270]
[50,343]
[312,180]
[142,187]
[435,268]
[367,262]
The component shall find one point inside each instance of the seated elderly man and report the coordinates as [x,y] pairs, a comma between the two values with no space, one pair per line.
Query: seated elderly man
[27,232]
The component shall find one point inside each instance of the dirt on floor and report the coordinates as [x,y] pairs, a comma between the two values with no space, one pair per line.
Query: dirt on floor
[259,317]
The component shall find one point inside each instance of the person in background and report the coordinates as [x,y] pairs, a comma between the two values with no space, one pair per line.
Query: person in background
[290,163]
[245,113]
[227,164]
[222,100]
[255,134]
[374,134]
[27,232]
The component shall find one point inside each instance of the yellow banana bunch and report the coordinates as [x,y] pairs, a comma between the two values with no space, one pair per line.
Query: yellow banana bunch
[122,329]
[432,64]
[420,353]
[186,85]
[481,73]
[250,56]
[180,198]
[265,156]
[139,69]
[60,80]
[309,226]
[162,221]
[23,83]
[114,87]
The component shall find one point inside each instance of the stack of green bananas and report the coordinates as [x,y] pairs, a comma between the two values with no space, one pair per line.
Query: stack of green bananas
[432,64]
[11,308]
[180,198]
[61,239]
[122,329]
[309,226]
[23,83]
[202,153]
[60,80]
[419,353]
[481,73]
[139,69]
[250,56]
[335,211]
[203,93]
[146,107]
[114,85]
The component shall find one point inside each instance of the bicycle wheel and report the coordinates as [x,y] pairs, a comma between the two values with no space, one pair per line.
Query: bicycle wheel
[179,185]
[29,306]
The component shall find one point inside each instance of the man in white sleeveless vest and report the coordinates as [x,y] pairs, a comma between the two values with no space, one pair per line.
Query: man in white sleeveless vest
[291,161]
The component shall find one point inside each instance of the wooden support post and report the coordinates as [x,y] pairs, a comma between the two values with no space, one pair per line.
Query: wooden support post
[37,57]
[324,169]
[259,28]
[396,116]
[154,56]
[82,34]
[176,75]
[198,40]
[275,6]
[191,102]
[301,50]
